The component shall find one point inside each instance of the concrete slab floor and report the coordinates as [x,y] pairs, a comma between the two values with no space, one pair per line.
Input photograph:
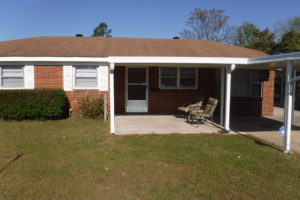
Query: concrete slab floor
[267,128]
[159,124]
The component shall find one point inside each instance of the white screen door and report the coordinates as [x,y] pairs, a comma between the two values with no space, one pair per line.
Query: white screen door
[137,93]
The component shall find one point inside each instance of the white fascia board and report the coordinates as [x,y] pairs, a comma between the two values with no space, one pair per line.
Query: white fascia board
[53,59]
[275,58]
[157,60]
[176,60]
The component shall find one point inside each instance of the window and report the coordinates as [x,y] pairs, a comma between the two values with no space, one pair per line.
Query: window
[244,83]
[11,76]
[240,83]
[256,83]
[187,77]
[86,77]
[169,77]
[178,78]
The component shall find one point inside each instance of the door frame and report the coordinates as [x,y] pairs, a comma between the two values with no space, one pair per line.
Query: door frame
[126,87]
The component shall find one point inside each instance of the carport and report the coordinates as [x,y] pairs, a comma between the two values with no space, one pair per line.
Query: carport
[289,62]
[266,128]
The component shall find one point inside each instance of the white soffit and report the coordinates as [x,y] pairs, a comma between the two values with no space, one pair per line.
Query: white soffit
[177,60]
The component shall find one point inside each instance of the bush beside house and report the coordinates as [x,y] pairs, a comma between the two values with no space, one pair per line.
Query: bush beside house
[91,107]
[33,104]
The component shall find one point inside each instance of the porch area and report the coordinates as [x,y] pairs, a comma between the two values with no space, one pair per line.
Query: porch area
[265,128]
[161,80]
[161,124]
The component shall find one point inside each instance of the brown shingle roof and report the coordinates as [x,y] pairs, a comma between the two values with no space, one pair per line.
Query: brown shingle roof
[114,46]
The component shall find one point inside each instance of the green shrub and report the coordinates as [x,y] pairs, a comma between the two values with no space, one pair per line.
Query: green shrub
[33,104]
[91,107]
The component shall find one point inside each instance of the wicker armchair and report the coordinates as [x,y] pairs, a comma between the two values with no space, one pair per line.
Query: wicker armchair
[197,114]
[187,107]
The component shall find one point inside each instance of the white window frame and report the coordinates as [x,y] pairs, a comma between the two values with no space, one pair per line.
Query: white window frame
[178,87]
[85,88]
[10,88]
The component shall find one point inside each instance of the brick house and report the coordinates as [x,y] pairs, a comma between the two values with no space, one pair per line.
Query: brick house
[141,75]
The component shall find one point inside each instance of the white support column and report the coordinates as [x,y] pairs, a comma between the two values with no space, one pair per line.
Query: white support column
[281,90]
[222,98]
[288,107]
[112,99]
[229,70]
[294,94]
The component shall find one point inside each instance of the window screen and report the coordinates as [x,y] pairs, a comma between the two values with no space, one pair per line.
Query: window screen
[187,77]
[240,86]
[178,78]
[244,83]
[168,77]
[12,76]
[256,83]
[86,76]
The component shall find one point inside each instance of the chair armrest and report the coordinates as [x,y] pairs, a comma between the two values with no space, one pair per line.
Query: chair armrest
[185,105]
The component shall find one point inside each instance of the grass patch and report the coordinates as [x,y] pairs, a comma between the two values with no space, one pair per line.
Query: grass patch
[77,159]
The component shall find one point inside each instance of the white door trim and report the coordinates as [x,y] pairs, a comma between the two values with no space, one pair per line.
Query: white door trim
[126,88]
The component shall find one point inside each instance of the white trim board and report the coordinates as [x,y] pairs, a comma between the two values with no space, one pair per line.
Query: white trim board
[176,60]
[275,58]
[53,59]
[156,59]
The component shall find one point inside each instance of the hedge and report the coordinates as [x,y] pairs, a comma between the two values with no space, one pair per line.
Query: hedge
[37,104]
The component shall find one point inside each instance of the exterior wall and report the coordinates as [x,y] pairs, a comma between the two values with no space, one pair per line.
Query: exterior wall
[268,93]
[48,77]
[163,100]
[74,96]
[246,106]
[256,106]
[167,100]
[52,77]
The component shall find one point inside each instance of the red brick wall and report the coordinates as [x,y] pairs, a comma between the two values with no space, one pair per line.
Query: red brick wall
[167,101]
[268,93]
[74,96]
[243,106]
[164,101]
[256,106]
[52,77]
[48,76]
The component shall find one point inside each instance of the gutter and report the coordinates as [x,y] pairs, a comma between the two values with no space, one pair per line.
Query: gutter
[156,60]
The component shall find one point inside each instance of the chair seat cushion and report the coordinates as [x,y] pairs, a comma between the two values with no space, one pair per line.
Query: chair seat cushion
[194,112]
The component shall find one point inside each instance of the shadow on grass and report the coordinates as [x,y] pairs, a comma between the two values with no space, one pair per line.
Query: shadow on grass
[11,162]
[262,142]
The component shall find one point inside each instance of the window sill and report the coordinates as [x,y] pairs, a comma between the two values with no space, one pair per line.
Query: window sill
[162,88]
[14,88]
[86,88]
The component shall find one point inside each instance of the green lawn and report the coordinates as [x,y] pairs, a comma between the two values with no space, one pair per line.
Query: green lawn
[77,159]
